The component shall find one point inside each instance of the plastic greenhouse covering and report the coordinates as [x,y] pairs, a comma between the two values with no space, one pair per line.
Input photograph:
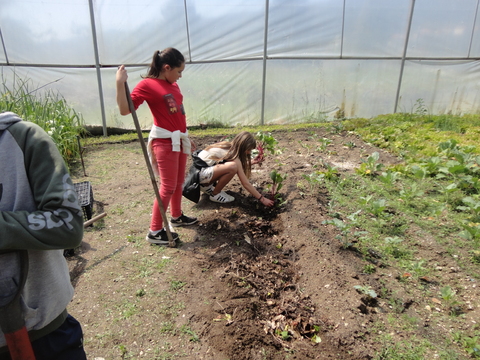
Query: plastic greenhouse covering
[252,62]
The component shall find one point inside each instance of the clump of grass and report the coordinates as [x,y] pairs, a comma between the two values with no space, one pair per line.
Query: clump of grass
[46,108]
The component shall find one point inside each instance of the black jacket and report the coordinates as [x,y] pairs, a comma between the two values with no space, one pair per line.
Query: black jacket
[191,186]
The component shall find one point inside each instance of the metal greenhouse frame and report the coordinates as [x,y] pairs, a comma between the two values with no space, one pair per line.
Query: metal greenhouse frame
[267,62]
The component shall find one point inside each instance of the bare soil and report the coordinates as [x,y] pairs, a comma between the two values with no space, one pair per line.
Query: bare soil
[245,282]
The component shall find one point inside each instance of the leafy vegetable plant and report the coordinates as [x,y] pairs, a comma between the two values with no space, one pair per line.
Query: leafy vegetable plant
[366,290]
[370,166]
[265,142]
[277,184]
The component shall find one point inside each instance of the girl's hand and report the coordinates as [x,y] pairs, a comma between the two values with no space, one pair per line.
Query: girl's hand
[121,79]
[121,75]
[266,202]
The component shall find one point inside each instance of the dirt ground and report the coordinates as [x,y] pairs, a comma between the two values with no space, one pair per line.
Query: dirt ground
[245,282]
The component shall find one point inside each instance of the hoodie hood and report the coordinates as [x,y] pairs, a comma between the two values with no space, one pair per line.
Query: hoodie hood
[8,118]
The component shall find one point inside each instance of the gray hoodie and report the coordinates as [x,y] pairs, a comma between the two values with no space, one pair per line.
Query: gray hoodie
[39,212]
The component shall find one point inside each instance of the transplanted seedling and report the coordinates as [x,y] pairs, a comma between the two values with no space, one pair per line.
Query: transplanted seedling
[276,185]
[265,142]
[366,290]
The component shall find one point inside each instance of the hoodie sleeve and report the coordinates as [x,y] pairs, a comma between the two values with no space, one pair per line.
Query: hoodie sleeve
[48,215]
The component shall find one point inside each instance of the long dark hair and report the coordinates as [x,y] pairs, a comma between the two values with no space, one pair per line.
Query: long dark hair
[168,56]
[238,148]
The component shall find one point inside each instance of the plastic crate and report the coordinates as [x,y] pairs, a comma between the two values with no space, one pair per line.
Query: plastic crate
[85,198]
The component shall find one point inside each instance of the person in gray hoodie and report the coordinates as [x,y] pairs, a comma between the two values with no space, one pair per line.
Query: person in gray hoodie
[39,213]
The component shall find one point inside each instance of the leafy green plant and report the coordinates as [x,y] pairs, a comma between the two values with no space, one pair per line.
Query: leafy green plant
[389,177]
[276,185]
[475,256]
[140,292]
[306,146]
[283,334]
[330,172]
[369,269]
[471,231]
[378,207]
[185,329]
[314,180]
[347,236]
[471,344]
[370,165]
[336,127]
[447,293]
[48,109]
[393,247]
[366,290]
[350,144]
[409,193]
[472,206]
[324,142]
[265,142]
[416,268]
[176,285]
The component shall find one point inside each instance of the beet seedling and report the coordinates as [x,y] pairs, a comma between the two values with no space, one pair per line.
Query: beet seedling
[265,142]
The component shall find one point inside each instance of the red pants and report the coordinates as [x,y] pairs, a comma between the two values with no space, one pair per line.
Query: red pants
[171,166]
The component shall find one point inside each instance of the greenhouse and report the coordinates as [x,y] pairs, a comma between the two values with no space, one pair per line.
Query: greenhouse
[252,62]
[319,197]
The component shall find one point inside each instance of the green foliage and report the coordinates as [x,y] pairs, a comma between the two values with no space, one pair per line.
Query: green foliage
[366,290]
[378,207]
[330,172]
[47,109]
[447,293]
[475,256]
[350,144]
[401,350]
[389,177]
[393,247]
[370,166]
[419,108]
[471,206]
[277,184]
[265,142]
[185,329]
[347,234]
[324,142]
[471,344]
[314,179]
[336,127]
[369,269]
[176,285]
[415,136]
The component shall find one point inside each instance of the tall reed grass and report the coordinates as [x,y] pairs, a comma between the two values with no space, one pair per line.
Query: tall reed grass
[48,109]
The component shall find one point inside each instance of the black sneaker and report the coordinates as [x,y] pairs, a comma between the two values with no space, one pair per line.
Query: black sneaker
[183,220]
[161,237]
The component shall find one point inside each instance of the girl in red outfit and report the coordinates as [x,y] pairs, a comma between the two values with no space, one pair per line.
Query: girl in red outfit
[168,142]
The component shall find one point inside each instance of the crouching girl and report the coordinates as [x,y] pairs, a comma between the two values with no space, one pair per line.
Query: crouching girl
[223,161]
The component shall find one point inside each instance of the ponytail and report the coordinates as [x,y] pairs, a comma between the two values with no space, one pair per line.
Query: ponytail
[169,56]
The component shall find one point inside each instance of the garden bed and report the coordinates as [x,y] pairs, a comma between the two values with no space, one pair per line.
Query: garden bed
[253,283]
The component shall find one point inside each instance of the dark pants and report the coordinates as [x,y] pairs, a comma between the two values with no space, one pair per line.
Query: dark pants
[65,343]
